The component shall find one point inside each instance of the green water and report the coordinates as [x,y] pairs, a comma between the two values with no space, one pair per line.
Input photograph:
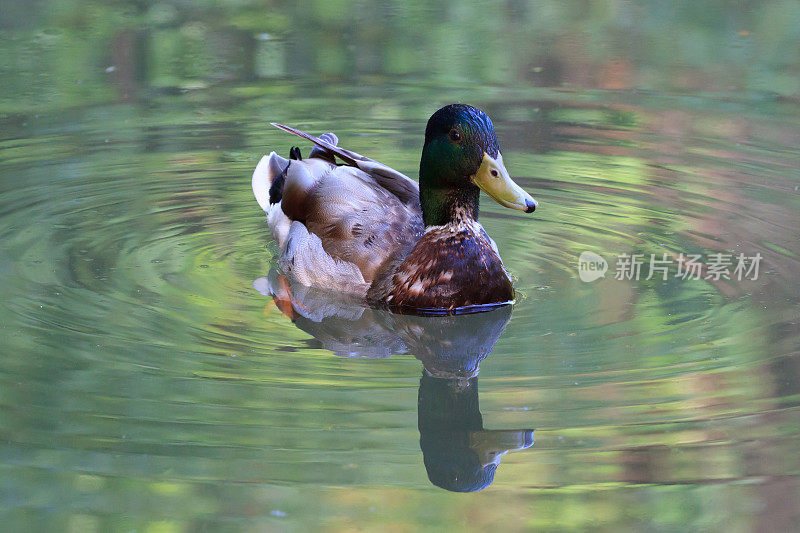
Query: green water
[146,385]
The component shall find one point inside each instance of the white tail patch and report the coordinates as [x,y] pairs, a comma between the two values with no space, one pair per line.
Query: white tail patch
[262,179]
[269,168]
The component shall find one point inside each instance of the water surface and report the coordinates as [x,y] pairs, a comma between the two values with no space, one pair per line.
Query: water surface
[147,385]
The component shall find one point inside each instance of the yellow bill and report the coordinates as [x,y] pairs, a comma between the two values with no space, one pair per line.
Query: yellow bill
[492,178]
[490,445]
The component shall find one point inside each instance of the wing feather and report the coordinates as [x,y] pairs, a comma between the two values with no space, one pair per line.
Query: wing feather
[406,189]
[337,225]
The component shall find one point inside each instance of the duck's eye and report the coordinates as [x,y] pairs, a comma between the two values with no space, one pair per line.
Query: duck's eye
[455,135]
[493,173]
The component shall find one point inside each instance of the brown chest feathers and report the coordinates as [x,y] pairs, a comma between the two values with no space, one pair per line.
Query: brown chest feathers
[451,266]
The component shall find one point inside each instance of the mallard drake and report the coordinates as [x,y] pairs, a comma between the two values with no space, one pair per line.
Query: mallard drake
[365,229]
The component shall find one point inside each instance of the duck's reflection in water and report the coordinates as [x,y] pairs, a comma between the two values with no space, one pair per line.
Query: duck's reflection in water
[459,454]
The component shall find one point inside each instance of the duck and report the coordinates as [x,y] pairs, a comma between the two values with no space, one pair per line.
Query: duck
[349,224]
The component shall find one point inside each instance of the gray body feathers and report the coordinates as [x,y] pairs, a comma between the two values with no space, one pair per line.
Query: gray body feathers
[338,226]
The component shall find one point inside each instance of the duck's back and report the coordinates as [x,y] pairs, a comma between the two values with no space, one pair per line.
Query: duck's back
[336,225]
[359,221]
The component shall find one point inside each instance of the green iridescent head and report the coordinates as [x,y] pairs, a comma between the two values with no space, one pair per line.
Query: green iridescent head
[461,156]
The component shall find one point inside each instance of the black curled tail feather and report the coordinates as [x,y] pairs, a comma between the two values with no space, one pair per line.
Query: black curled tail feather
[327,146]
